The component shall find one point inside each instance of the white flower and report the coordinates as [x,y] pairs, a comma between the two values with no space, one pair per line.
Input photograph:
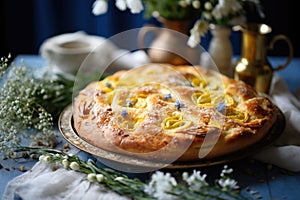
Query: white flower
[199,29]
[196,181]
[228,184]
[194,39]
[160,184]
[155,14]
[208,6]
[121,4]
[218,12]
[234,5]
[65,163]
[99,7]
[99,177]
[41,158]
[74,166]
[119,178]
[226,7]
[196,4]
[226,171]
[135,6]
[46,159]
[92,177]
[207,15]
[183,3]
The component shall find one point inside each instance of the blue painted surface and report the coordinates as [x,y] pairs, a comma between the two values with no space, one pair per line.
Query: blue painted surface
[257,180]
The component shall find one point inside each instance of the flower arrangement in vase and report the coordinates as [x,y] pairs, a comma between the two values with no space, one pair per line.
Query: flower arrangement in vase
[206,15]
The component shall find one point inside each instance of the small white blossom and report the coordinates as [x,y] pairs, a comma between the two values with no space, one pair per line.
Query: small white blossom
[135,6]
[196,4]
[65,163]
[74,166]
[226,171]
[41,158]
[121,4]
[92,177]
[194,39]
[199,29]
[207,15]
[226,7]
[155,14]
[219,12]
[46,159]
[183,3]
[196,181]
[208,6]
[159,185]
[228,184]
[119,178]
[99,177]
[100,7]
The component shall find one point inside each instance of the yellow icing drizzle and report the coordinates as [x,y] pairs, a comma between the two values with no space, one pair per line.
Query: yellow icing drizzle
[237,115]
[212,98]
[198,82]
[109,97]
[175,121]
[201,98]
[108,85]
[139,101]
[226,99]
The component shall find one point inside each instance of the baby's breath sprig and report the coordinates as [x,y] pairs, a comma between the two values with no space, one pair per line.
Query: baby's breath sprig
[4,64]
[161,186]
[29,105]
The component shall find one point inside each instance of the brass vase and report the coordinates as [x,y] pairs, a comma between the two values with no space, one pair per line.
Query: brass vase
[253,66]
[170,44]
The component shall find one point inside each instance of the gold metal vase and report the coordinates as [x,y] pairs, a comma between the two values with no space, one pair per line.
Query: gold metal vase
[253,66]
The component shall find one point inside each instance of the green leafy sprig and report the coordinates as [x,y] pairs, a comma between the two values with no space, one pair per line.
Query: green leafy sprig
[161,186]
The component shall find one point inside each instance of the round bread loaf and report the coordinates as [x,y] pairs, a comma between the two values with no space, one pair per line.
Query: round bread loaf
[168,113]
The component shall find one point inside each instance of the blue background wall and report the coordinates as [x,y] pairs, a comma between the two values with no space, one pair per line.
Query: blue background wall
[25,24]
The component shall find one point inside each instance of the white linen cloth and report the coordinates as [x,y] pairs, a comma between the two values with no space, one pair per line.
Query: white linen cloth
[285,152]
[42,183]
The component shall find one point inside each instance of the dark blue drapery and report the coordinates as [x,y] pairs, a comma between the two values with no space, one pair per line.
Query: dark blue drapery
[28,23]
[25,24]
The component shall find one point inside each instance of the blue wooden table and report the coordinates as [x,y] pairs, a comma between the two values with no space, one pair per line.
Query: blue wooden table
[258,180]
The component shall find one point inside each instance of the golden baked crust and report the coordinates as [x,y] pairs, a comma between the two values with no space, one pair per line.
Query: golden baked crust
[165,113]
